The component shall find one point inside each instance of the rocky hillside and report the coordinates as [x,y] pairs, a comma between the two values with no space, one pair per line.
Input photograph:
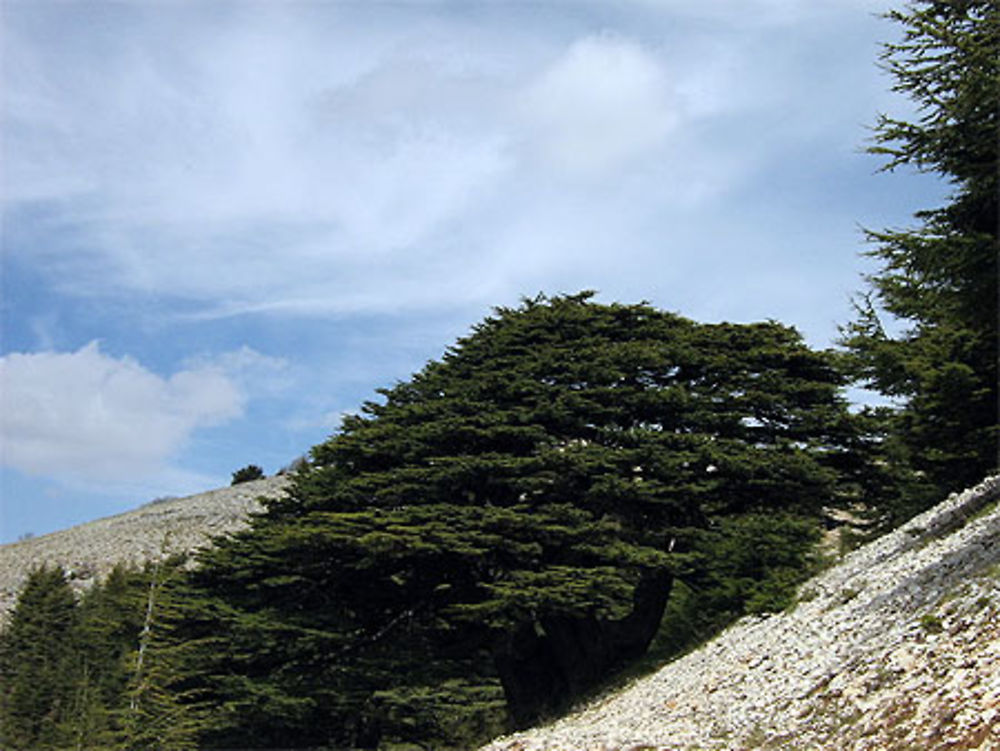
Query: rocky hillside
[897,647]
[158,529]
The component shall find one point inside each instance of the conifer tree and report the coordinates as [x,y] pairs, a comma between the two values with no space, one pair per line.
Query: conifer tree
[106,628]
[69,675]
[500,532]
[35,660]
[939,280]
[155,710]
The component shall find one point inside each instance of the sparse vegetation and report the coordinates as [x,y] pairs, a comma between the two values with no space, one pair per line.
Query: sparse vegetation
[808,594]
[161,499]
[248,473]
[298,464]
[931,623]
[849,593]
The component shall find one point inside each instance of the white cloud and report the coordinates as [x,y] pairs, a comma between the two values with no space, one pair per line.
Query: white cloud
[754,14]
[87,416]
[606,101]
[310,159]
[241,168]
[249,370]
[391,171]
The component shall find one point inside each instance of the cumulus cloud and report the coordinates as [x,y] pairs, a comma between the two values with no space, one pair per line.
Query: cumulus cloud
[88,416]
[605,101]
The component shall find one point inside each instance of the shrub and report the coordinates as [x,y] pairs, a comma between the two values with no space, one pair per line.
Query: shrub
[247,474]
[931,624]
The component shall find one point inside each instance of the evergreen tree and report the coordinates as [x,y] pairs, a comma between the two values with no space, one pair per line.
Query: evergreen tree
[501,531]
[35,660]
[107,621]
[156,711]
[70,673]
[940,279]
[248,473]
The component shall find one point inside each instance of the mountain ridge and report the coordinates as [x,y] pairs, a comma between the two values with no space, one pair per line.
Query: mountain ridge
[153,531]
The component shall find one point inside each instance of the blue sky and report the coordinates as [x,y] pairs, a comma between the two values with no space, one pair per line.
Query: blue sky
[225,224]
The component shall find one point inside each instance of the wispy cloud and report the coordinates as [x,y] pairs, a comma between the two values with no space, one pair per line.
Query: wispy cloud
[263,162]
[602,103]
[348,186]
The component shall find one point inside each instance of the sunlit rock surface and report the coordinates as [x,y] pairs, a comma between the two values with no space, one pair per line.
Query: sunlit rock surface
[89,551]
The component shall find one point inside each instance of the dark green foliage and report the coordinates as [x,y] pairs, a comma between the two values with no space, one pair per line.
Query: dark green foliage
[247,474]
[158,711]
[36,656]
[744,564]
[109,622]
[502,531]
[753,563]
[940,279]
[70,675]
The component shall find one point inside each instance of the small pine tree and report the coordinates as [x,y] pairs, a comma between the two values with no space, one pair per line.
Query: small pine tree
[247,474]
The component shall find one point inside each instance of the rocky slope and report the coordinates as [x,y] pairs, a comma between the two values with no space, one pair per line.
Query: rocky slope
[897,647]
[89,551]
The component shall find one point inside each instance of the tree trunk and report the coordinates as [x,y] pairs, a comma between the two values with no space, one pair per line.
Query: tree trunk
[545,664]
